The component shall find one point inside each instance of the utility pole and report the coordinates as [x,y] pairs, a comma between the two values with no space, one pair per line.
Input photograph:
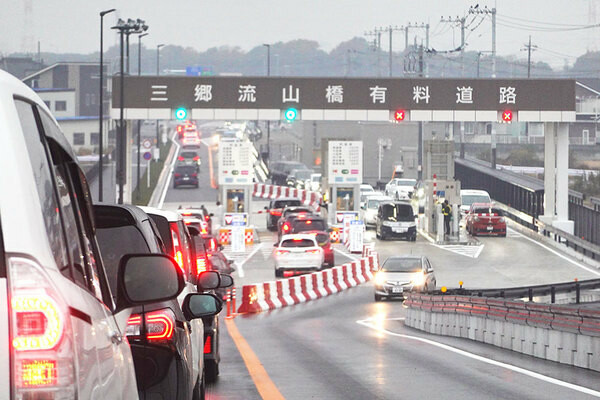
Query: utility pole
[390,30]
[492,12]
[459,22]
[419,26]
[139,122]
[529,48]
[377,47]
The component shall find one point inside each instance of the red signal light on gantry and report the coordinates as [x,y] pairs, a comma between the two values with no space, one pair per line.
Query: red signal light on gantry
[507,116]
[399,115]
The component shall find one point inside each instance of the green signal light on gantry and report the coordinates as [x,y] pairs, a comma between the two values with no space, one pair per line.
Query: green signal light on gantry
[181,114]
[290,114]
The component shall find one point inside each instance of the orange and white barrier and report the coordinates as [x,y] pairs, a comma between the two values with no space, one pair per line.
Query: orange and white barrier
[299,289]
[273,192]
[225,235]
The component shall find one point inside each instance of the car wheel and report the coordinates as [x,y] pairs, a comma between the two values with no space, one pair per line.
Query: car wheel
[211,371]
[413,238]
[377,297]
[377,234]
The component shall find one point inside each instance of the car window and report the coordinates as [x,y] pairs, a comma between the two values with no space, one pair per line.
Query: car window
[397,212]
[45,185]
[188,154]
[301,225]
[185,170]
[406,182]
[298,243]
[401,265]
[114,243]
[373,204]
[468,199]
[285,203]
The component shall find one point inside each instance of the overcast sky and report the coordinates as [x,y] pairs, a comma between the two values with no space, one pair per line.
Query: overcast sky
[73,25]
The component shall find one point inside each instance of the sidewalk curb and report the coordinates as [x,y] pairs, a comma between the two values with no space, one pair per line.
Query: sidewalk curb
[162,178]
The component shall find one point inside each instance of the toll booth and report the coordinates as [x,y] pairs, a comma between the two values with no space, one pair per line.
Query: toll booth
[236,198]
[436,191]
[236,176]
[344,160]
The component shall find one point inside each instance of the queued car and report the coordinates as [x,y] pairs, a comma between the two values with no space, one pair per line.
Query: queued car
[189,157]
[279,171]
[485,219]
[395,219]
[297,254]
[401,274]
[191,141]
[367,194]
[468,197]
[185,175]
[183,128]
[366,188]
[400,188]
[275,209]
[293,211]
[199,217]
[369,209]
[306,223]
[62,326]
[167,354]
[324,241]
[299,178]
[315,182]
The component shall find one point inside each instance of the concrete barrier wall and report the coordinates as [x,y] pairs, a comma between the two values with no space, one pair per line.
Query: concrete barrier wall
[565,334]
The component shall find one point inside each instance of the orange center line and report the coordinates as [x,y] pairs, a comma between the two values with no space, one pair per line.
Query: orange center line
[265,386]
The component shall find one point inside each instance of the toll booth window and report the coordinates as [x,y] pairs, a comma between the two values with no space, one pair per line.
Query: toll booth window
[235,200]
[345,199]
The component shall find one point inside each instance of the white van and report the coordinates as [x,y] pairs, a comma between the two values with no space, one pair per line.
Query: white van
[66,334]
[468,197]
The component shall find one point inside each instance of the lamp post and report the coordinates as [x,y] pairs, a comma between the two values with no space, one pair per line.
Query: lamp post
[158,46]
[268,46]
[139,130]
[124,28]
[101,111]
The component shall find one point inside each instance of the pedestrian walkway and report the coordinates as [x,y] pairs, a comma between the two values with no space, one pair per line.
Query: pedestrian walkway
[463,250]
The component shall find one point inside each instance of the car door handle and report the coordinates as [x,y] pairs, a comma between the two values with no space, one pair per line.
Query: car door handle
[116,338]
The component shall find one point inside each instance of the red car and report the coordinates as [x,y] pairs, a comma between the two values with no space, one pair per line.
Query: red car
[324,241]
[485,219]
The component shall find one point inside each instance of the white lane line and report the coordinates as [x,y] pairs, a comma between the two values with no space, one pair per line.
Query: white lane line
[425,235]
[166,188]
[350,256]
[593,271]
[464,353]
[241,265]
[463,250]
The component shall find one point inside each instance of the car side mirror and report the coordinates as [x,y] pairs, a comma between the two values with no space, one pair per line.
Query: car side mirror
[147,278]
[208,280]
[226,281]
[211,215]
[266,208]
[199,305]
[275,244]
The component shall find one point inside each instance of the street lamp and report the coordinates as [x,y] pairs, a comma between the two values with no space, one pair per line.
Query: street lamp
[268,46]
[125,29]
[101,112]
[139,130]
[139,26]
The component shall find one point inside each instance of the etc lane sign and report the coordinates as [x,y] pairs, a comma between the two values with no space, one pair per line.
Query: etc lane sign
[315,96]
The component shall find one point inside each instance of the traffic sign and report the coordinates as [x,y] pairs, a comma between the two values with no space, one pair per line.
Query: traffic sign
[146,143]
[181,113]
[345,161]
[399,115]
[235,163]
[147,156]
[291,114]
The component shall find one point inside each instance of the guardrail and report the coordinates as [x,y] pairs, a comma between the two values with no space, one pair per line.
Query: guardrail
[578,244]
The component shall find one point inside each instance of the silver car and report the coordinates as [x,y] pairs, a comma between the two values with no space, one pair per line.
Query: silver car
[401,274]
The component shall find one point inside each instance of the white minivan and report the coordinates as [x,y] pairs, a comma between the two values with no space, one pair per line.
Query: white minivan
[64,334]
[468,197]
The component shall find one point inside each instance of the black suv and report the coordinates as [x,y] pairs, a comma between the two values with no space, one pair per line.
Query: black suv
[275,209]
[279,171]
[396,219]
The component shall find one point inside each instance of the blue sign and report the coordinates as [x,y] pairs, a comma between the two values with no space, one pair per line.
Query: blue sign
[198,71]
[147,156]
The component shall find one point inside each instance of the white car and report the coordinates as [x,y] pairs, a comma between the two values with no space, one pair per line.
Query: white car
[369,209]
[468,197]
[64,335]
[315,182]
[365,188]
[365,195]
[190,142]
[400,188]
[297,253]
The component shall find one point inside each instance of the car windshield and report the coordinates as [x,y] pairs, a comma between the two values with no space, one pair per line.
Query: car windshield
[303,174]
[287,168]
[397,212]
[301,225]
[468,199]
[401,265]
[297,243]
[114,243]
[488,210]
[406,182]
[188,154]
[286,203]
[373,203]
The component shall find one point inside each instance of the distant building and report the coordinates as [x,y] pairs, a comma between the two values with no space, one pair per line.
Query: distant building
[70,90]
[21,66]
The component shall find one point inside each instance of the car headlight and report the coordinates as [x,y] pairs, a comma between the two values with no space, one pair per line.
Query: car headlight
[418,279]
[379,279]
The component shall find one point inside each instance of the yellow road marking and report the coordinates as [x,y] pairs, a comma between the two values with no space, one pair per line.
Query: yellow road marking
[265,386]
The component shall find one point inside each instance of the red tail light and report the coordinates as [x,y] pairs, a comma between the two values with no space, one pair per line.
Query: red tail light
[286,227]
[280,252]
[159,325]
[177,175]
[207,217]
[180,158]
[208,345]
[200,265]
[177,254]
[196,158]
[308,222]
[276,213]
[313,251]
[194,175]
[179,128]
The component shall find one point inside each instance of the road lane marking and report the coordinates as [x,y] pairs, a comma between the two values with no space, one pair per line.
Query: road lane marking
[166,188]
[514,368]
[595,272]
[348,255]
[265,386]
[463,250]
[241,265]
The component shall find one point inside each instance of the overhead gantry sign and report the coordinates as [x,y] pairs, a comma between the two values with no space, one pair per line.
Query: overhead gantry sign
[346,99]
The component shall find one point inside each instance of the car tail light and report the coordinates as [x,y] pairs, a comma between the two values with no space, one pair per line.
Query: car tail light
[287,274]
[177,254]
[41,339]
[200,265]
[313,251]
[159,325]
[177,175]
[280,252]
[309,222]
[194,175]
[207,217]
[180,158]
[196,158]
[286,227]
[208,345]
[275,212]
[186,213]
